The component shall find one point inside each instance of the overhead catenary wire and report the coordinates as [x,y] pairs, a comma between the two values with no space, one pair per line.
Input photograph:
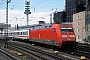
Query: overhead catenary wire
[36,8]
[2,2]
[21,12]
[13,6]
[31,7]
[37,3]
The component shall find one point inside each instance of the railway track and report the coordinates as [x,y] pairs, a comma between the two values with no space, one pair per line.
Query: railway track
[80,50]
[39,53]
[7,56]
[84,45]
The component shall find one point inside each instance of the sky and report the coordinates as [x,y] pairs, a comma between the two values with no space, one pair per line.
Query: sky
[40,11]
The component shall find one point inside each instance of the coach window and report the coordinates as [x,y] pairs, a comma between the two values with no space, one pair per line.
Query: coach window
[27,33]
[24,33]
[17,33]
[21,33]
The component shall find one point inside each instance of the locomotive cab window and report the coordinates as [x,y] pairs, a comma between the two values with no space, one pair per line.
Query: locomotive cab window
[69,30]
[63,29]
[66,29]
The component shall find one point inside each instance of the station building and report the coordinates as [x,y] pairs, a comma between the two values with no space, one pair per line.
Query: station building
[59,17]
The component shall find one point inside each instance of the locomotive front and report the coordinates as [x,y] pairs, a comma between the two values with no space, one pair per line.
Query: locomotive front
[68,35]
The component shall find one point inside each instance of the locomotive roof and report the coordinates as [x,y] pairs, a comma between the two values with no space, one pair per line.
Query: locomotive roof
[66,25]
[42,26]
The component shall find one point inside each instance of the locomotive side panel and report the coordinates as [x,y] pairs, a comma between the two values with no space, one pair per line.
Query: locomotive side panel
[46,36]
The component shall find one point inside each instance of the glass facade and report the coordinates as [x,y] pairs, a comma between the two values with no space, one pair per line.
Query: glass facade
[59,17]
[72,7]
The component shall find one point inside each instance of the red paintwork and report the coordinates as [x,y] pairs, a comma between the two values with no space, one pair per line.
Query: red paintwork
[59,36]
[52,33]
[68,38]
[49,34]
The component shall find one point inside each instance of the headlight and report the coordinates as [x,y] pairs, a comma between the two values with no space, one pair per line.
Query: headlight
[72,35]
[64,35]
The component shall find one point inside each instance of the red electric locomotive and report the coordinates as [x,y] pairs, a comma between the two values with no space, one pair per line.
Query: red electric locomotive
[53,34]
